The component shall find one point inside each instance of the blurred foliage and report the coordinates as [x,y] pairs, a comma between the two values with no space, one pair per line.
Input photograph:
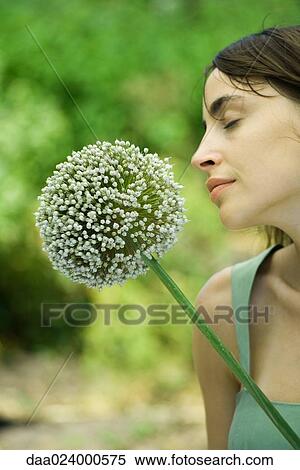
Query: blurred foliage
[71,72]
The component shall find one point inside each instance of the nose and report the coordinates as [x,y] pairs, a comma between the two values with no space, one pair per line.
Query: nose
[204,159]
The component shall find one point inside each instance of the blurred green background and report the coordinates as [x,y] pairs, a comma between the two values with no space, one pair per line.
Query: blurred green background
[71,73]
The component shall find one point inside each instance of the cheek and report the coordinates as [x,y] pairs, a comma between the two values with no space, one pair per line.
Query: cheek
[260,162]
[259,190]
[250,176]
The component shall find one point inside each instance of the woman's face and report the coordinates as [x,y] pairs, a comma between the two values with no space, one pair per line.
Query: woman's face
[260,151]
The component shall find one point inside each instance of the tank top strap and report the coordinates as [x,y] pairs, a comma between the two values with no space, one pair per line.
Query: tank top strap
[242,278]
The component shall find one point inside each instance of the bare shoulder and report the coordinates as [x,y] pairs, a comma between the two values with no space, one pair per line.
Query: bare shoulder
[214,302]
[218,384]
[218,283]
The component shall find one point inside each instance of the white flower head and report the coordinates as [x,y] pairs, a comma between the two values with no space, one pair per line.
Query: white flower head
[105,205]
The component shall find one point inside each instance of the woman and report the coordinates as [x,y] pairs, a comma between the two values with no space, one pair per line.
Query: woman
[251,111]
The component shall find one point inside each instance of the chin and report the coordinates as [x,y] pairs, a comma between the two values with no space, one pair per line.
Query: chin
[234,220]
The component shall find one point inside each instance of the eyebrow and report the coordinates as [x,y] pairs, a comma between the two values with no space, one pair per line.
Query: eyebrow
[219,103]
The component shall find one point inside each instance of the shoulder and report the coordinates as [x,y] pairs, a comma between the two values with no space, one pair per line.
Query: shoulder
[214,302]
[216,292]
[217,284]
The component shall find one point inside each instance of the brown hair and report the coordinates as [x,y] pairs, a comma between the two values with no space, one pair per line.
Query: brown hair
[272,56]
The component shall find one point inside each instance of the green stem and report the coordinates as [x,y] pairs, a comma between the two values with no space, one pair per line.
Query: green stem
[230,360]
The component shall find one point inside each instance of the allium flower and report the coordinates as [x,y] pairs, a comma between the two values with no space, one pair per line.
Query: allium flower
[105,205]
[101,216]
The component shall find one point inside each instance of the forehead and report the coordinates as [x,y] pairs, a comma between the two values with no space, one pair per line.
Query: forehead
[219,84]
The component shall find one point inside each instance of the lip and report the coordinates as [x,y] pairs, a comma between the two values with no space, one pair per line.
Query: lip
[212,182]
[214,194]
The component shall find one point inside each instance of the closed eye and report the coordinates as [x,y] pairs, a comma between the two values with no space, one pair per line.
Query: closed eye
[231,124]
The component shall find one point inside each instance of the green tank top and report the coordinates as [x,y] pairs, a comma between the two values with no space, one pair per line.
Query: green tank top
[251,428]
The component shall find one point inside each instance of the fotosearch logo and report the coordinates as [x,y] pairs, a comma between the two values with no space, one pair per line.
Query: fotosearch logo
[85,314]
